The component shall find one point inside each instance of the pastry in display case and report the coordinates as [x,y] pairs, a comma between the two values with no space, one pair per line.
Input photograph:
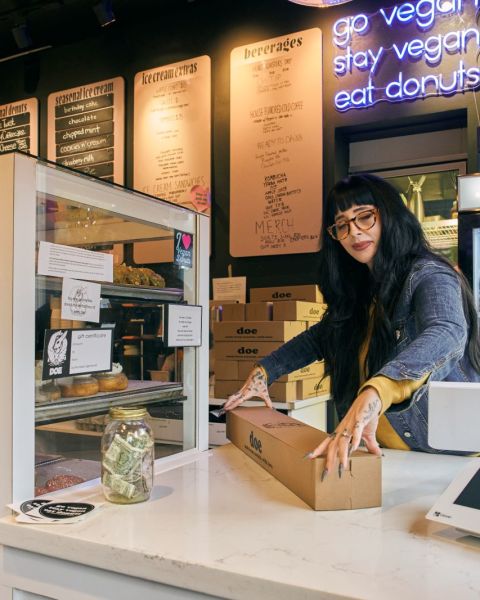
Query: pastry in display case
[97,315]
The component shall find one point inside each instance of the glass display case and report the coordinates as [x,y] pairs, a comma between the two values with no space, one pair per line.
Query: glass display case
[83,322]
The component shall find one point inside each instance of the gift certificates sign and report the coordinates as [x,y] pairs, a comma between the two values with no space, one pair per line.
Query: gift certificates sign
[171,137]
[276,145]
[86,129]
[76,351]
[19,126]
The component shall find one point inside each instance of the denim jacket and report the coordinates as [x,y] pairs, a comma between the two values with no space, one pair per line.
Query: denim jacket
[431,338]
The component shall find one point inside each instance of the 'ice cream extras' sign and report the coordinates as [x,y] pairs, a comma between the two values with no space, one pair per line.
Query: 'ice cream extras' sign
[405,52]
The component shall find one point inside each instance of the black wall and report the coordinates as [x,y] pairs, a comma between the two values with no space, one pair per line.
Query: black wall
[174,32]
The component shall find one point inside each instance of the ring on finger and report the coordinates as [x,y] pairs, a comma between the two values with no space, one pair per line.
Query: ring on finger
[346,434]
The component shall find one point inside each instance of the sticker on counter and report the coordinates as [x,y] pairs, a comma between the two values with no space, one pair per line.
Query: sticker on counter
[42,511]
[80,300]
[58,260]
[183,325]
[183,249]
[76,352]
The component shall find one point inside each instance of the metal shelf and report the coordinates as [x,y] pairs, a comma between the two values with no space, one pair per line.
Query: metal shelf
[139,393]
[441,234]
[47,283]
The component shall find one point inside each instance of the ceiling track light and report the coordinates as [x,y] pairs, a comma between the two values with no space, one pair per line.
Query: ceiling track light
[22,37]
[104,12]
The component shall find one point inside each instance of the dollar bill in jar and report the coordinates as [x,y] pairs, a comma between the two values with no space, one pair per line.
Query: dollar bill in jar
[127,456]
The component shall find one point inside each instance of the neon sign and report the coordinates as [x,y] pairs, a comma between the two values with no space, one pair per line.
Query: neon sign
[424,47]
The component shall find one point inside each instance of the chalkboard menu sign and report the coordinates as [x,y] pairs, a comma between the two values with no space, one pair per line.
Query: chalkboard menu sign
[86,128]
[19,126]
[276,145]
[172,113]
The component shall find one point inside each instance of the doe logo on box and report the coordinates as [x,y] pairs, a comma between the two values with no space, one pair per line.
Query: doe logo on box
[255,443]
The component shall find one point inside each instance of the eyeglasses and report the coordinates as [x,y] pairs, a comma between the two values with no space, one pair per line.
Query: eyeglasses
[364,220]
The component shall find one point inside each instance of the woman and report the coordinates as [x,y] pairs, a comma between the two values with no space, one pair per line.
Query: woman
[397,316]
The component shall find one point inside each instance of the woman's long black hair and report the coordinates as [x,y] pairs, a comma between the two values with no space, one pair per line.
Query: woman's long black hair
[353,292]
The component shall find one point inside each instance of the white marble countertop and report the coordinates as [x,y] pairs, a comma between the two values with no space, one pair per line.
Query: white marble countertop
[222,525]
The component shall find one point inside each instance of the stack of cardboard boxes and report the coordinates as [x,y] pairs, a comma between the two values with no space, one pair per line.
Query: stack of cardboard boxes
[248,332]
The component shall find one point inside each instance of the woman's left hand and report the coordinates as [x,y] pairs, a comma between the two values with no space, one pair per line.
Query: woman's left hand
[359,423]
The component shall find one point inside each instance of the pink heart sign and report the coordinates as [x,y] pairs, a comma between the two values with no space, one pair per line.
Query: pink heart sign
[186,240]
[200,198]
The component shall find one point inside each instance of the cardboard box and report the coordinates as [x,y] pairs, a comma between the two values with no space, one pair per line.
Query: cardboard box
[308,293]
[227,369]
[310,388]
[279,392]
[244,350]
[279,443]
[298,311]
[166,430]
[315,370]
[171,431]
[259,311]
[217,434]
[233,312]
[266,331]
[159,375]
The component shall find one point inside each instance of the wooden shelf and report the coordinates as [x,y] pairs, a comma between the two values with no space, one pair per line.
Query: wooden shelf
[68,427]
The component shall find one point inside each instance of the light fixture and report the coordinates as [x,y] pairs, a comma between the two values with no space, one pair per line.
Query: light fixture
[104,12]
[320,3]
[22,36]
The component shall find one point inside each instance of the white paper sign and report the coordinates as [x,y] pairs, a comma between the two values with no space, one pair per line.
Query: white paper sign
[230,288]
[184,325]
[91,351]
[58,260]
[80,300]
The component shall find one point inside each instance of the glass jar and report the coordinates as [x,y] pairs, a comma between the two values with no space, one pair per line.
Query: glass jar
[127,456]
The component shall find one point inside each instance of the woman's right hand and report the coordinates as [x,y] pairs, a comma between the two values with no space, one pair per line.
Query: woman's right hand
[255,386]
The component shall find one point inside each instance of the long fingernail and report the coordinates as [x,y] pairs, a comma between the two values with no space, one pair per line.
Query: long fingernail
[340,470]
[324,474]
[308,455]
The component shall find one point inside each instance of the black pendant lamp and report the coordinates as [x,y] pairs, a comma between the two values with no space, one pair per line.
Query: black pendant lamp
[320,3]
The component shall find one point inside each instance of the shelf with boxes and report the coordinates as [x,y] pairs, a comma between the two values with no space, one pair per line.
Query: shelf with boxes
[249,332]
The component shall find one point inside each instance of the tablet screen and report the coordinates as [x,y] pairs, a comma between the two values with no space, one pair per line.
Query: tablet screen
[470,496]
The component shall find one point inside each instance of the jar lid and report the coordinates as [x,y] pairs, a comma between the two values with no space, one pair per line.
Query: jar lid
[120,413]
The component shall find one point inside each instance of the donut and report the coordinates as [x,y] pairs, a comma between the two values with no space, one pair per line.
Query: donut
[108,383]
[78,387]
[47,392]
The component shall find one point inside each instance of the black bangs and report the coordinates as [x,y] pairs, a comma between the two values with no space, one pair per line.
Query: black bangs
[352,191]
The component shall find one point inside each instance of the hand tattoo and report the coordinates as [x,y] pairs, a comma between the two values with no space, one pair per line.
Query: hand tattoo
[372,409]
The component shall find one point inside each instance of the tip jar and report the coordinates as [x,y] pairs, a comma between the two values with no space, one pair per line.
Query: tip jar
[127,456]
